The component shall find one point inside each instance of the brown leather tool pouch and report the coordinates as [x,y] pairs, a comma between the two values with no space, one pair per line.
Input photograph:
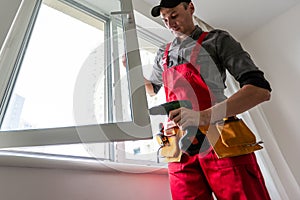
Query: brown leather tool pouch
[171,151]
[232,137]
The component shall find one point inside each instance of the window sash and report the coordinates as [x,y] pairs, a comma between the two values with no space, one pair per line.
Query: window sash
[139,128]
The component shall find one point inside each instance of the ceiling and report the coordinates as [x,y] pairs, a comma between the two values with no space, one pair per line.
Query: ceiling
[239,17]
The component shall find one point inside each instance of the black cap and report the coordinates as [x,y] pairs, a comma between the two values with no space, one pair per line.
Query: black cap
[155,12]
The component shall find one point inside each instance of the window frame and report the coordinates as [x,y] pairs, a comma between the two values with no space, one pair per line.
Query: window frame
[139,128]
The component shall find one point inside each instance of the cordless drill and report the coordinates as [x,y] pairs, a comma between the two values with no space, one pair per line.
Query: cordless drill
[193,138]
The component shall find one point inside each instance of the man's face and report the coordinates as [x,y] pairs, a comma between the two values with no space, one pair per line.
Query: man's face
[179,20]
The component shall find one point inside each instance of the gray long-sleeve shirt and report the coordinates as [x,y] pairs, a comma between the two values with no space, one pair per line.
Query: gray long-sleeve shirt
[219,52]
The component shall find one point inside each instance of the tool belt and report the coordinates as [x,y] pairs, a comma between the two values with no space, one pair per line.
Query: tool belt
[228,138]
[232,137]
[168,139]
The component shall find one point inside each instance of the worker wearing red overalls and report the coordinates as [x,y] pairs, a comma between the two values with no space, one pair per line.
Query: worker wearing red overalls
[192,67]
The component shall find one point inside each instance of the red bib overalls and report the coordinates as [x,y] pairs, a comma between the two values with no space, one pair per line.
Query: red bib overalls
[197,176]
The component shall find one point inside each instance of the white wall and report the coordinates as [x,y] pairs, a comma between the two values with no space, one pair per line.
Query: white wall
[276,49]
[58,184]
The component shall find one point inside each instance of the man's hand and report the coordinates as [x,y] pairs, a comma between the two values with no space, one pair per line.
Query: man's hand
[149,87]
[246,98]
[185,117]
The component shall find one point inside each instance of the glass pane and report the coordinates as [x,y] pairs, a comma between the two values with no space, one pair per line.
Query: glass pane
[64,79]
[145,150]
[121,94]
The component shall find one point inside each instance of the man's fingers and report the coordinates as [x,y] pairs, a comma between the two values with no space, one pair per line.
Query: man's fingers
[174,113]
[177,119]
[184,117]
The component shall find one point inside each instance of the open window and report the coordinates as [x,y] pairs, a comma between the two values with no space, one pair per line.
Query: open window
[63,79]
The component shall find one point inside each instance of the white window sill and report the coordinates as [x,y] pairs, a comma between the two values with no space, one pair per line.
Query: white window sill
[9,159]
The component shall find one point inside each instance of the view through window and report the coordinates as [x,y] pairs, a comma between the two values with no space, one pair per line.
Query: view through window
[63,44]
[43,94]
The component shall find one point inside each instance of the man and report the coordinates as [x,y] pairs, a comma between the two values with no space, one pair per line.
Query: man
[193,67]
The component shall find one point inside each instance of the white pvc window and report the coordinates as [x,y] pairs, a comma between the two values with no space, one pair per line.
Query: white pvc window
[64,80]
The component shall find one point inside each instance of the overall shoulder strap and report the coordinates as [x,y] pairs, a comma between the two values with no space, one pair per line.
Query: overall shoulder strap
[196,50]
[165,57]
